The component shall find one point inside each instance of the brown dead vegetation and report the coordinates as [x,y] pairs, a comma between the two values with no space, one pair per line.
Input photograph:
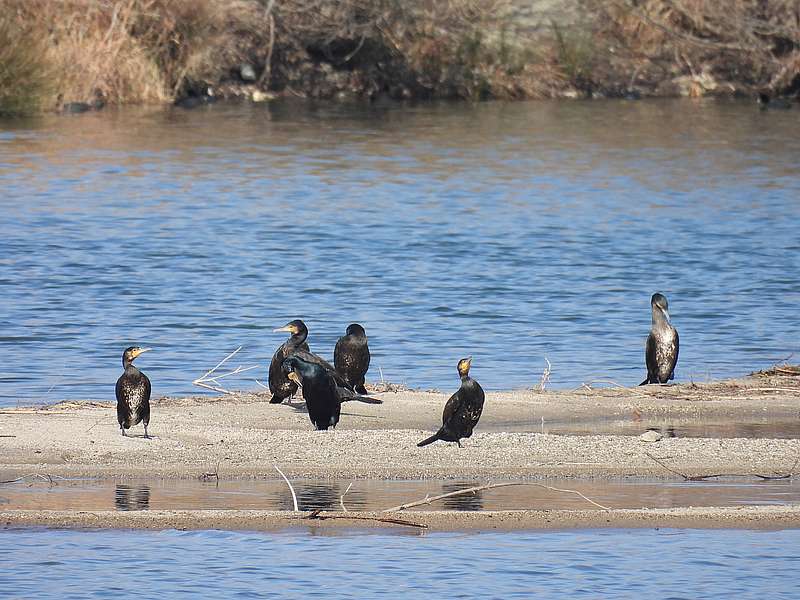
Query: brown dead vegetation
[149,51]
[697,47]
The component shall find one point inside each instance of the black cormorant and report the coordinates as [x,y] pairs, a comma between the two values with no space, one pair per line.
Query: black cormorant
[661,351]
[319,391]
[462,411]
[765,101]
[351,357]
[133,393]
[279,384]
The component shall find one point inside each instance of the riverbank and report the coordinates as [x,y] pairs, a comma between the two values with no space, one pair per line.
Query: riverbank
[746,517]
[242,436]
[77,55]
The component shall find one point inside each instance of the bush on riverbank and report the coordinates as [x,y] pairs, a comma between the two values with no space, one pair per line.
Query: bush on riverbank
[24,80]
[140,51]
[697,47]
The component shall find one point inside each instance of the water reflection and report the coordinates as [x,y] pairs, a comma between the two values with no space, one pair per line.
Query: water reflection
[466,502]
[379,495]
[132,497]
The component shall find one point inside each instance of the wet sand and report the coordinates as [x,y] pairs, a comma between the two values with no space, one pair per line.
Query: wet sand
[746,517]
[242,436]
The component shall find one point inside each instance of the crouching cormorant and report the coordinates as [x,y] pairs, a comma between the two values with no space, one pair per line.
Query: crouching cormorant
[319,391]
[661,351]
[462,411]
[279,384]
[351,357]
[133,393]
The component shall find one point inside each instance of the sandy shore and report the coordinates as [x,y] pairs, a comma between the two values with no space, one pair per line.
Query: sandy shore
[243,436]
[747,517]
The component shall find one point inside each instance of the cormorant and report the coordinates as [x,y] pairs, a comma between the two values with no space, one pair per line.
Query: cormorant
[319,391]
[351,357]
[462,411]
[282,387]
[661,351]
[279,384]
[765,101]
[133,393]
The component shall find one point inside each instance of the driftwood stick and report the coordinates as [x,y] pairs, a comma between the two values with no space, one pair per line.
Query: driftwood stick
[317,514]
[718,475]
[341,499]
[210,381]
[291,489]
[488,486]
[46,477]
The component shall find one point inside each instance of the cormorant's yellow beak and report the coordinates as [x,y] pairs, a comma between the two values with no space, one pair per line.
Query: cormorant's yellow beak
[296,378]
[464,364]
[287,328]
[666,313]
[136,353]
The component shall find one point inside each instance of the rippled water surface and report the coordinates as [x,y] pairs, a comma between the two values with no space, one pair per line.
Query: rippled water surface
[576,564]
[511,232]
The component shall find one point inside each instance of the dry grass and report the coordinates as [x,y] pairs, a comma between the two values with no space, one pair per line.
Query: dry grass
[24,75]
[700,46]
[145,51]
[138,51]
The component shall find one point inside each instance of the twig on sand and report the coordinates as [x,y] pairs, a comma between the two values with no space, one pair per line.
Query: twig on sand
[317,514]
[633,390]
[341,499]
[211,382]
[291,489]
[686,477]
[46,477]
[488,486]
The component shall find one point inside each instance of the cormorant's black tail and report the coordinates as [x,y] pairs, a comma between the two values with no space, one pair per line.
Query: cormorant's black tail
[368,400]
[360,389]
[646,381]
[346,395]
[429,440]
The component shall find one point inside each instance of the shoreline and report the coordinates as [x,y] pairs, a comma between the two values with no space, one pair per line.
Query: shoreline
[746,517]
[242,436]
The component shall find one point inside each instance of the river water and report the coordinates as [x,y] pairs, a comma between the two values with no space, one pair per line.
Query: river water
[308,564]
[513,233]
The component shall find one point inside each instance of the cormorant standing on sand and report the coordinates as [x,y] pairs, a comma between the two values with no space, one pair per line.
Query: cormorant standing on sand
[133,393]
[279,384]
[319,391]
[351,357]
[661,351]
[462,411]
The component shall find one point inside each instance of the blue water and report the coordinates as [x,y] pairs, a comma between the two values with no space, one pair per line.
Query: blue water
[544,564]
[511,232]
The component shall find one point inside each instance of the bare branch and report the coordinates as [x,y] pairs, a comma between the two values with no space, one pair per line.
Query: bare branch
[291,489]
[341,499]
[317,514]
[210,381]
[488,486]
